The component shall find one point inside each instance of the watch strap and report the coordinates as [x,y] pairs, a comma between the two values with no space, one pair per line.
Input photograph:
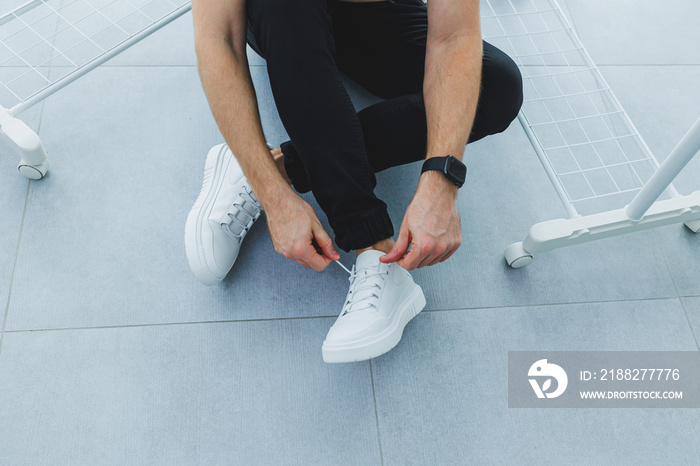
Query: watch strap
[434,163]
[442,164]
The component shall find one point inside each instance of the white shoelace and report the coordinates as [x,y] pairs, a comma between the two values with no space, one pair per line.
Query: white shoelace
[364,291]
[245,206]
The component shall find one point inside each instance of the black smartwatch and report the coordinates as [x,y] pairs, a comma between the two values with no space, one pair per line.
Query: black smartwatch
[451,167]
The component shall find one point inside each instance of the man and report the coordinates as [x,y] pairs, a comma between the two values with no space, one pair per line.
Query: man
[443,87]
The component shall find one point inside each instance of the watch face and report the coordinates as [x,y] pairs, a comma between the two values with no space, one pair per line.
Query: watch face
[456,169]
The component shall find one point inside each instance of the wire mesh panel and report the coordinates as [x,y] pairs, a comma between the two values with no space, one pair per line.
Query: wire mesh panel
[593,150]
[45,41]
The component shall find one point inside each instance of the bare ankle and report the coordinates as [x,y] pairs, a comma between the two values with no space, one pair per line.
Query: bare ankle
[384,246]
[278,157]
[277,154]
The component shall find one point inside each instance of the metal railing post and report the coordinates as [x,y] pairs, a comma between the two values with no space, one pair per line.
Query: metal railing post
[679,157]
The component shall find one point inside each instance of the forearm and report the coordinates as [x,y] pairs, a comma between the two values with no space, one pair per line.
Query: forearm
[227,83]
[451,92]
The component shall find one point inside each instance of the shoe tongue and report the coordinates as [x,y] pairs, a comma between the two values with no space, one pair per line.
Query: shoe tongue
[368,259]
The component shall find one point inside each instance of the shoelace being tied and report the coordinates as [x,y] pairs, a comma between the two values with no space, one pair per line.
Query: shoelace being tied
[241,214]
[363,289]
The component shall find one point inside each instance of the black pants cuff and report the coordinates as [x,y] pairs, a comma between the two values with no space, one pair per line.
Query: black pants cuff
[363,231]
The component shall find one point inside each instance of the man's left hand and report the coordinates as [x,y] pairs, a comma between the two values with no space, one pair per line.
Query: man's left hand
[431,225]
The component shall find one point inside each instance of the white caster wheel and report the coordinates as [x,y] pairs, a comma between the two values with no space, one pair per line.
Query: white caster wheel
[693,225]
[33,172]
[517,256]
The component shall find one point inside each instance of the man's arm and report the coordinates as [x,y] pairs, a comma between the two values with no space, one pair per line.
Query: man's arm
[451,91]
[220,41]
[452,74]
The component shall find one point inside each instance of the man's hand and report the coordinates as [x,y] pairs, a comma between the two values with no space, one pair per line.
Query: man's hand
[431,224]
[297,233]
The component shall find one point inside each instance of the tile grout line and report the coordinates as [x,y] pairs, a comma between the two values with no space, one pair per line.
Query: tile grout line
[14,265]
[24,209]
[663,256]
[680,299]
[376,414]
[281,319]
[26,198]
[692,332]
[171,324]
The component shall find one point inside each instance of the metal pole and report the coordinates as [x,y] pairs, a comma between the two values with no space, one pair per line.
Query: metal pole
[672,166]
[10,15]
[561,192]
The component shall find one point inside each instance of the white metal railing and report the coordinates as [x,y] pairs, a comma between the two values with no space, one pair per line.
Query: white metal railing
[587,143]
[47,44]
[599,164]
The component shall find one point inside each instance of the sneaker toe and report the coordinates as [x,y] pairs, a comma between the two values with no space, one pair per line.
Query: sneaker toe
[223,252]
[356,327]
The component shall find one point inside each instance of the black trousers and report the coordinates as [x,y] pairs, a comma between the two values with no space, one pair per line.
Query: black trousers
[335,151]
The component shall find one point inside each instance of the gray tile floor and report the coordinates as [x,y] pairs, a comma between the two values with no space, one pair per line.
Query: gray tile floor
[112,353]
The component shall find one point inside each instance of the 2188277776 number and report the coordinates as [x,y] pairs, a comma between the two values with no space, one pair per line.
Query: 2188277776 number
[639,374]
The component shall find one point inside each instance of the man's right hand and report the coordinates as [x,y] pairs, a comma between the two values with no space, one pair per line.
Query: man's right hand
[297,233]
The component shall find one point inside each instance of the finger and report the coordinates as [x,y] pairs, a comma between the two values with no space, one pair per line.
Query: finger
[448,255]
[438,259]
[301,262]
[456,243]
[399,249]
[442,254]
[315,260]
[325,243]
[426,261]
[411,260]
[319,263]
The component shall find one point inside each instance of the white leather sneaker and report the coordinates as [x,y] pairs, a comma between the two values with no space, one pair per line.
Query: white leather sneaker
[382,299]
[224,212]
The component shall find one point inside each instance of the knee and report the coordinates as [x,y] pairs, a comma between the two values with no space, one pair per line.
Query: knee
[286,14]
[512,90]
[280,26]
[266,8]
[502,90]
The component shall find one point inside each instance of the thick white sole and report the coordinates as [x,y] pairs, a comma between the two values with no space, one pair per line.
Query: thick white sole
[383,343]
[213,177]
